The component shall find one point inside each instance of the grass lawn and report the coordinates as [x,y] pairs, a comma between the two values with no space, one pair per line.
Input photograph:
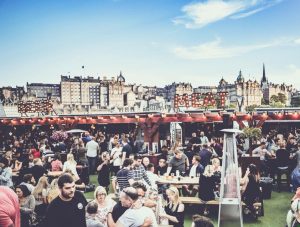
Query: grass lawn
[275,210]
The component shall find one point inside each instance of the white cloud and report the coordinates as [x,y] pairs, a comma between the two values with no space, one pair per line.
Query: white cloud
[294,75]
[297,41]
[215,49]
[200,14]
[294,70]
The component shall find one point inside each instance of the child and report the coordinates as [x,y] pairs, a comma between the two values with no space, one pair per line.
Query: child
[91,211]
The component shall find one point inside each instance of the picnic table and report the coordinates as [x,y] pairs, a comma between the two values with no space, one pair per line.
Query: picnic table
[54,173]
[174,180]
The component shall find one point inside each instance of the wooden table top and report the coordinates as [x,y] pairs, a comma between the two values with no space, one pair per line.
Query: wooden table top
[54,173]
[178,180]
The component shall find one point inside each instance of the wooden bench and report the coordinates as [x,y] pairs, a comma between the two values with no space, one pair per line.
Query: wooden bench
[196,200]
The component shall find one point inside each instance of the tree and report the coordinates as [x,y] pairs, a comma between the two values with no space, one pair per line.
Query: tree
[253,134]
[282,98]
[251,108]
[274,98]
[232,105]
[277,105]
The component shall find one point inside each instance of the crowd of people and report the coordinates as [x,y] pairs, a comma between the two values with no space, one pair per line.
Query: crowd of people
[30,159]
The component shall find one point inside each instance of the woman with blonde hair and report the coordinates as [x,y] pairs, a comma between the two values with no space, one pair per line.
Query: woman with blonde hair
[216,165]
[174,210]
[53,191]
[70,164]
[40,195]
[105,204]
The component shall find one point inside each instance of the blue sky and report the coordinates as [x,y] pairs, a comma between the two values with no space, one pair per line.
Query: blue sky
[153,42]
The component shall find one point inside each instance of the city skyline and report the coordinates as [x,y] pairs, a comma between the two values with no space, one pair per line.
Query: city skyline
[151,42]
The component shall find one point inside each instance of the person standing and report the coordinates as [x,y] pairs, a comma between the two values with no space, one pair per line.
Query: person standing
[9,208]
[116,158]
[5,173]
[125,176]
[103,171]
[205,155]
[203,138]
[92,148]
[68,209]
[27,204]
[38,169]
[178,163]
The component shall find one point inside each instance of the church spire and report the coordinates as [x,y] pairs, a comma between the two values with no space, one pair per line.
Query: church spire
[240,78]
[264,81]
[264,78]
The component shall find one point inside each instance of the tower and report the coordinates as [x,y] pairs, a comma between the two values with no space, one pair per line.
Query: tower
[264,82]
[240,78]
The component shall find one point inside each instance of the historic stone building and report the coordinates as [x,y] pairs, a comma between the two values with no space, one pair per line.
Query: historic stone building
[271,89]
[247,92]
[206,89]
[10,95]
[177,89]
[295,99]
[80,91]
[43,91]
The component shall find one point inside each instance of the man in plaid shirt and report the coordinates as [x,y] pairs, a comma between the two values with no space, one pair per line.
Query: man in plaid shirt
[139,171]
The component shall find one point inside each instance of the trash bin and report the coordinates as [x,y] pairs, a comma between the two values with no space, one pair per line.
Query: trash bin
[266,186]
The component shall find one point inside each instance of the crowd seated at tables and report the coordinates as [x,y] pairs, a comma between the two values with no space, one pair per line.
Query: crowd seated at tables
[31,164]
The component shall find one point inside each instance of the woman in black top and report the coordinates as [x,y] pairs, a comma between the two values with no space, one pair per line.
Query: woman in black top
[103,170]
[207,184]
[252,192]
[174,209]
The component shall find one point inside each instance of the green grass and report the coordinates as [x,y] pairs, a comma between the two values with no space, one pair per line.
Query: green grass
[275,209]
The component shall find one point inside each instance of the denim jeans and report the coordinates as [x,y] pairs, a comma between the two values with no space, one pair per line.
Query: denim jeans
[92,164]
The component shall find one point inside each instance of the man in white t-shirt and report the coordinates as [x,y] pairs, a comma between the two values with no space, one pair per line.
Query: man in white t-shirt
[92,148]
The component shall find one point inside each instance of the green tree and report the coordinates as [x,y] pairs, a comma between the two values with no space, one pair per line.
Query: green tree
[274,98]
[232,105]
[253,134]
[251,108]
[277,104]
[282,98]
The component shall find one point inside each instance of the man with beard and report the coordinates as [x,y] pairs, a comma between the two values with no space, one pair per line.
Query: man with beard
[67,209]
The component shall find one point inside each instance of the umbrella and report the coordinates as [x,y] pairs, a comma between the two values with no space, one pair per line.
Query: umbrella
[76,131]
